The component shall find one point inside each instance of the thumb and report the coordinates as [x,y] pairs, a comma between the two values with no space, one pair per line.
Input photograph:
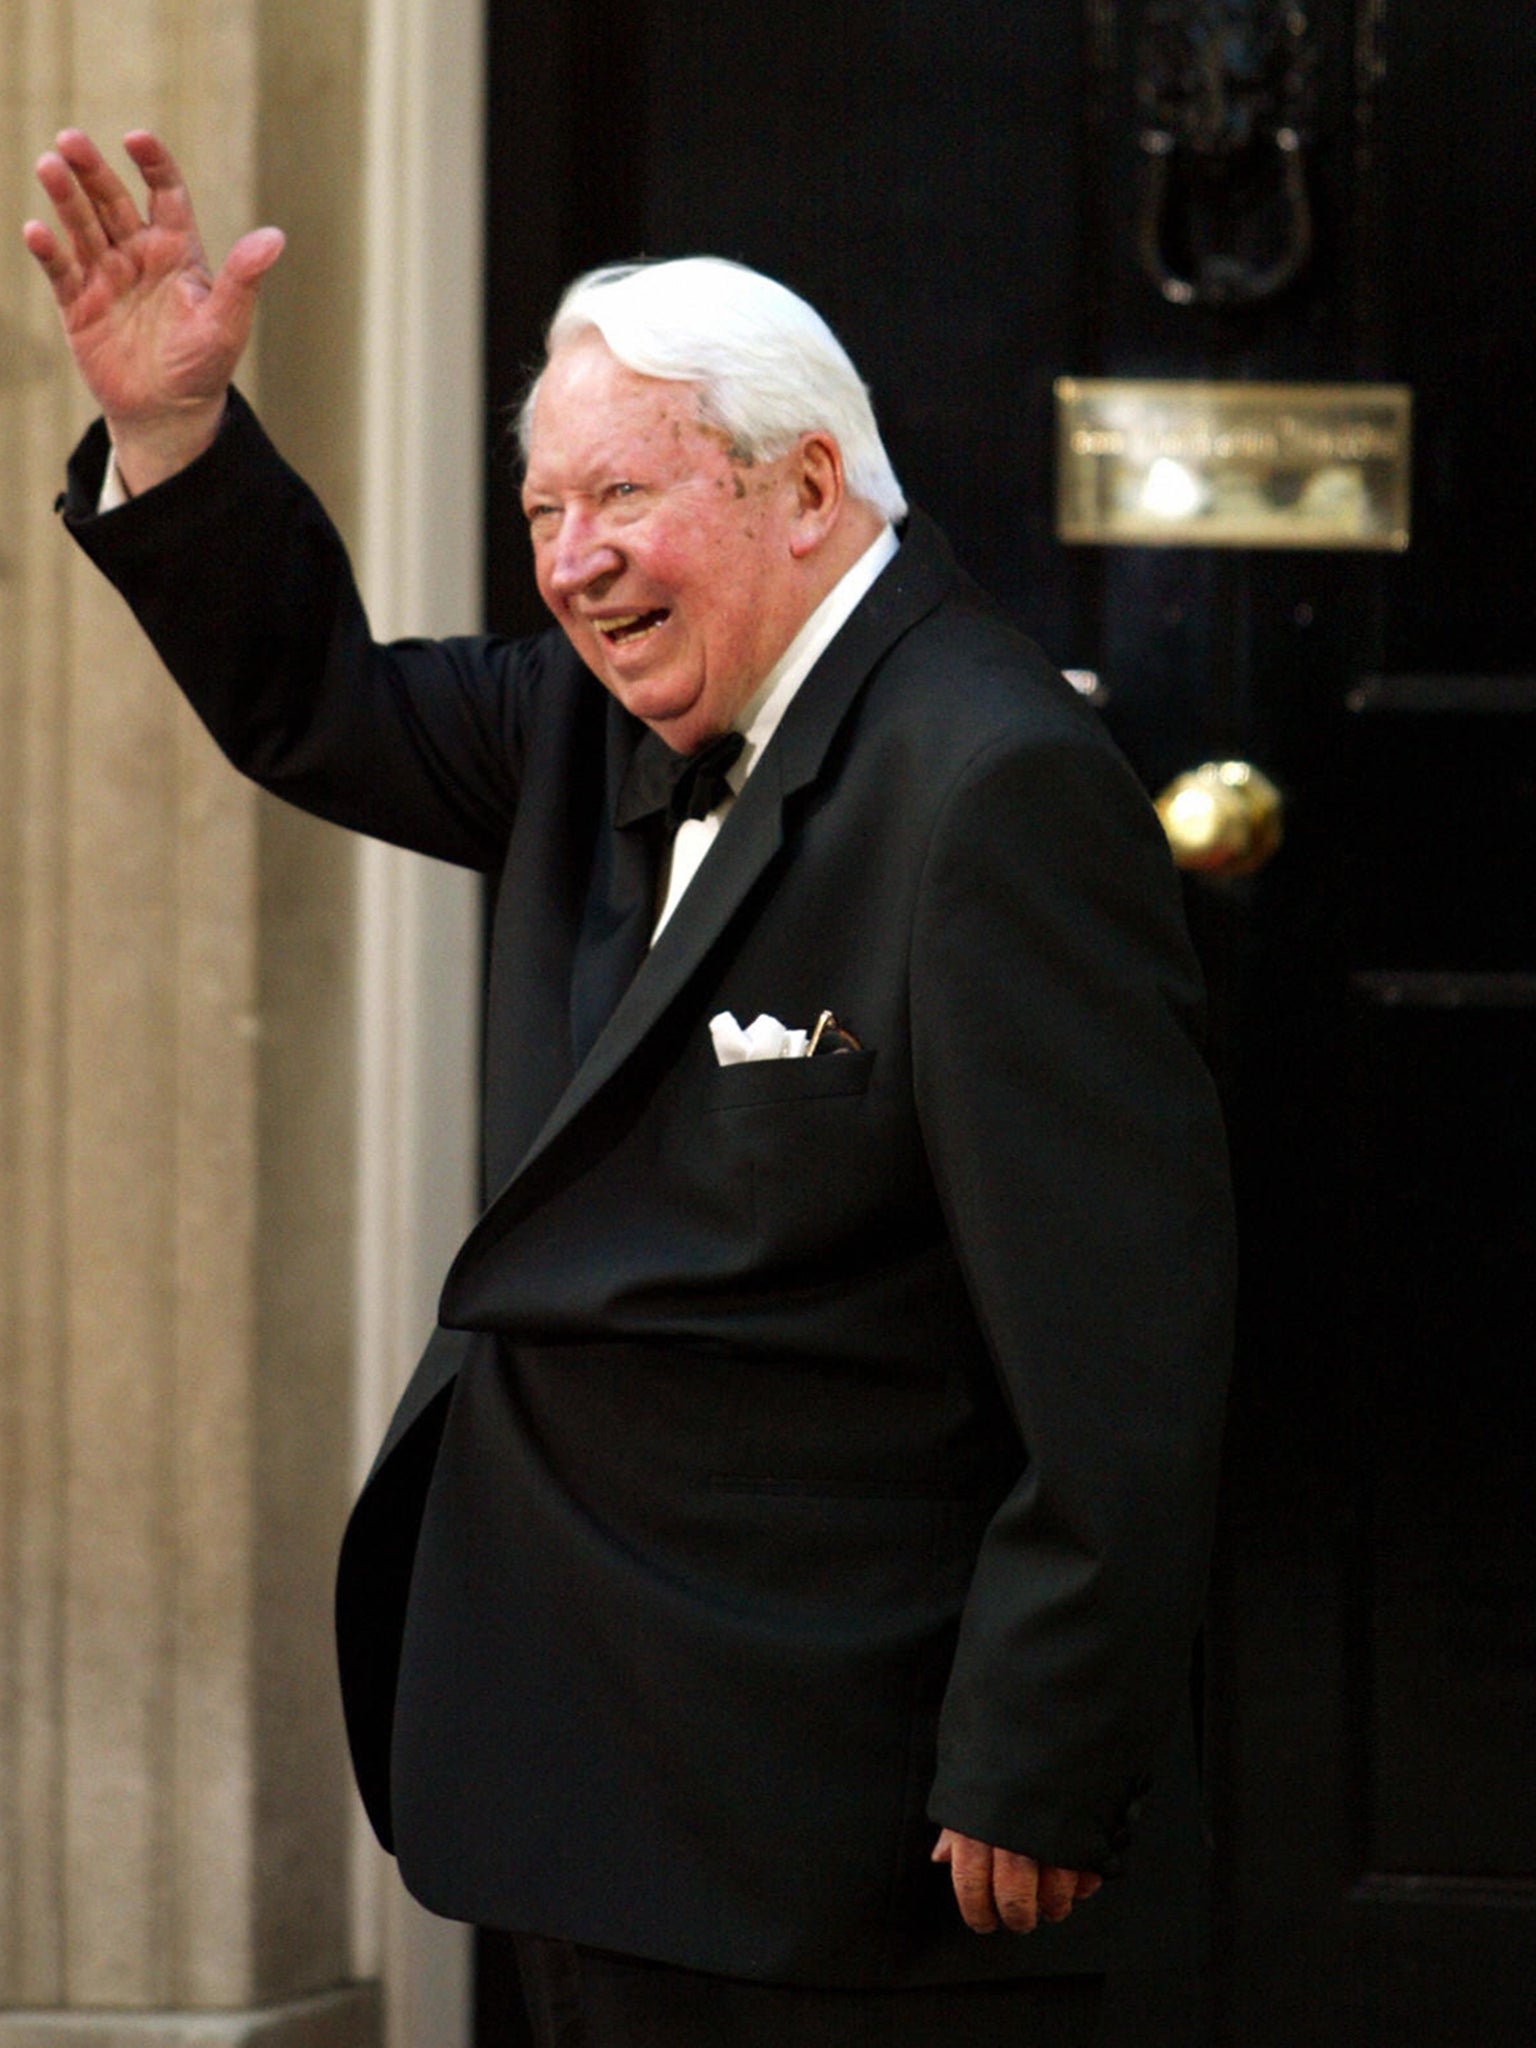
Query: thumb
[244,268]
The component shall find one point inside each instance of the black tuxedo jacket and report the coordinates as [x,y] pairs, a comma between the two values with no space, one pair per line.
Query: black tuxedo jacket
[813,1451]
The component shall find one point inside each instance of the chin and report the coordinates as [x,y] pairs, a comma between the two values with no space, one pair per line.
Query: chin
[658,702]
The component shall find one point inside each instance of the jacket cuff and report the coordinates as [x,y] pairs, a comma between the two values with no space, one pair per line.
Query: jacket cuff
[80,500]
[1080,1840]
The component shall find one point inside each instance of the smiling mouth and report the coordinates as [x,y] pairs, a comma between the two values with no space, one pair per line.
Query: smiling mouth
[623,632]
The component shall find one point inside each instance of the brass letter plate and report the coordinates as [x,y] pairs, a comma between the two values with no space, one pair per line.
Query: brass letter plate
[1147,463]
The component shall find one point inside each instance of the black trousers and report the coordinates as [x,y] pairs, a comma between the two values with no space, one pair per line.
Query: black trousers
[587,1998]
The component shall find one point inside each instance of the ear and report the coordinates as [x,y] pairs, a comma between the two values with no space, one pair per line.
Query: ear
[820,493]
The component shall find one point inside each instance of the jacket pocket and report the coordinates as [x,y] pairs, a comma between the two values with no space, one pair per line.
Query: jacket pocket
[787,1081]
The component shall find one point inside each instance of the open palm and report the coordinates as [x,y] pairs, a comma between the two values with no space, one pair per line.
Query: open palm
[155,332]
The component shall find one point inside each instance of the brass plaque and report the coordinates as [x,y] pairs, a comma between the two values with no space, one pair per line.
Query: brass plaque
[1149,463]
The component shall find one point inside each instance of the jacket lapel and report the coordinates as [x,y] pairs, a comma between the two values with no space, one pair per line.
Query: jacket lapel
[918,578]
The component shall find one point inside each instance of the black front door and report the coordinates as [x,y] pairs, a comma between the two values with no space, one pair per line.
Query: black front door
[977,197]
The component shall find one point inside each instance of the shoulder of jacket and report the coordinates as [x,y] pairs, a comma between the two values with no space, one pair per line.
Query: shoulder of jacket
[547,673]
[965,680]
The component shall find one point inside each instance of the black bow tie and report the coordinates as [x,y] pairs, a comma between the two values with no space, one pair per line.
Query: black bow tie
[678,785]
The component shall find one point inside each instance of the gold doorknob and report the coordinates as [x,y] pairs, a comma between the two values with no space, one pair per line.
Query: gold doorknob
[1222,818]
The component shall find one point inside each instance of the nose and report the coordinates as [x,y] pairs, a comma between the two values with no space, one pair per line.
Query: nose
[580,557]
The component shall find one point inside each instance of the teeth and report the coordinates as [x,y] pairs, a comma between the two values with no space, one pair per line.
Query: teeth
[629,624]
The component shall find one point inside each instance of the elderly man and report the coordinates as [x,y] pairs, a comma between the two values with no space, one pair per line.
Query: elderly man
[782,1570]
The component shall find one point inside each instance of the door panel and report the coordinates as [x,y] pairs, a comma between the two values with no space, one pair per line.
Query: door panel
[962,190]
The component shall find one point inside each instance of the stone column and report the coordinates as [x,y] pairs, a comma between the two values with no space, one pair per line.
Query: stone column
[177,1205]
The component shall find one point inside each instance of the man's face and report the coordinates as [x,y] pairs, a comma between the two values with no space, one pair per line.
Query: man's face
[667,562]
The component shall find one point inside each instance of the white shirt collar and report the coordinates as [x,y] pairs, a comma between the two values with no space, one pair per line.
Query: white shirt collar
[760,716]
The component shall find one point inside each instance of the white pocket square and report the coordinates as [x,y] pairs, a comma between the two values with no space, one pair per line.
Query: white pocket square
[765,1038]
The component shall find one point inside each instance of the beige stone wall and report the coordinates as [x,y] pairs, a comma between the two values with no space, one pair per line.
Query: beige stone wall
[176,1205]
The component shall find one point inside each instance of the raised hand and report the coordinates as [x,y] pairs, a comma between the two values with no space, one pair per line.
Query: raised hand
[155,333]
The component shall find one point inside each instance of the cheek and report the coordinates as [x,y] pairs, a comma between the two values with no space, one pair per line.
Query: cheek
[720,587]
[669,564]
[697,551]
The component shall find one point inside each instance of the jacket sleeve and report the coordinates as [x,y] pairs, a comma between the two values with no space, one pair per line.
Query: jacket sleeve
[242,583]
[1076,1143]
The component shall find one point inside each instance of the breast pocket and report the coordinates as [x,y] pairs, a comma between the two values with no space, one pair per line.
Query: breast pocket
[756,1082]
[794,1137]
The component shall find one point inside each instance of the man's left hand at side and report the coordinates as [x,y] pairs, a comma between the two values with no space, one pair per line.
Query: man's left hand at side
[1000,1888]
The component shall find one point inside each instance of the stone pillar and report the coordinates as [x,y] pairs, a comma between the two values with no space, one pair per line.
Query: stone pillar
[178,992]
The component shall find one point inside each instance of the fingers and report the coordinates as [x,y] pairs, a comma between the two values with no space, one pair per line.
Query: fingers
[116,217]
[1025,1892]
[94,206]
[970,1871]
[76,215]
[96,216]
[62,272]
[1056,1892]
[170,204]
[998,1887]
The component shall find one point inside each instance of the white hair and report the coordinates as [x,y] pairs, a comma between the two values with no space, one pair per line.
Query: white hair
[767,366]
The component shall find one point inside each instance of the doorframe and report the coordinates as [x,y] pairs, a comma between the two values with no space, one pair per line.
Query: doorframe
[418,922]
